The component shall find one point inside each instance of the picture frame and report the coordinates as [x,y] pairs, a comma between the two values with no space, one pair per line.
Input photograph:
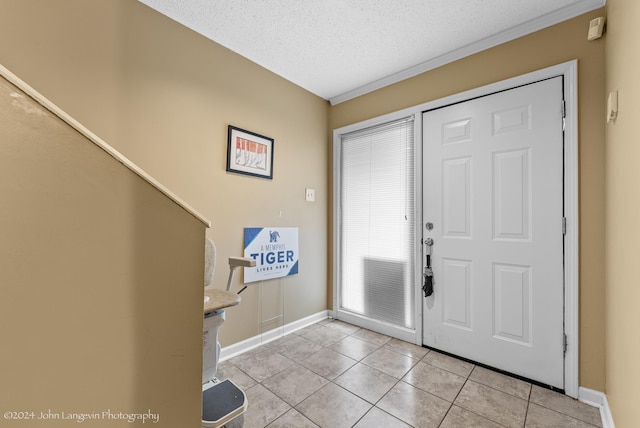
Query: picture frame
[249,153]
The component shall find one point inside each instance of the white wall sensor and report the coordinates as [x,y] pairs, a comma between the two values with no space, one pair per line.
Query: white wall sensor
[596,28]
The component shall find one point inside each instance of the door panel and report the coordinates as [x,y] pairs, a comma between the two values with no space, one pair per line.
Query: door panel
[493,174]
[511,213]
[512,294]
[457,295]
[456,193]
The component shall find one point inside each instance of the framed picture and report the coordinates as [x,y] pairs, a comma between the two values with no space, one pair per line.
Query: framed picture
[249,153]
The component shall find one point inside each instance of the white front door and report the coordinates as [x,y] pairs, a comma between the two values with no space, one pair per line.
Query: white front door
[493,190]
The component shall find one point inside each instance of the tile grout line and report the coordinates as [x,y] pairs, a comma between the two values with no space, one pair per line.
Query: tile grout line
[360,361]
[455,398]
[526,414]
[386,346]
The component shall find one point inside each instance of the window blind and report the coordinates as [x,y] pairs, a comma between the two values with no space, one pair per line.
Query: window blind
[377,222]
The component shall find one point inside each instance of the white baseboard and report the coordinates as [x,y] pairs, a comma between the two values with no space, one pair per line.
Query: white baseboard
[266,337]
[605,413]
[597,399]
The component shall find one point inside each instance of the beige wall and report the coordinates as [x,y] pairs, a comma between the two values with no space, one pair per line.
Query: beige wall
[623,214]
[98,311]
[163,96]
[557,44]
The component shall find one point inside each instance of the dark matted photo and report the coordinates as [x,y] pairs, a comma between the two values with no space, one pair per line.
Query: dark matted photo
[249,153]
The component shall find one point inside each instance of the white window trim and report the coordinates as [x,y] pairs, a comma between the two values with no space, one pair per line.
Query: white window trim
[409,335]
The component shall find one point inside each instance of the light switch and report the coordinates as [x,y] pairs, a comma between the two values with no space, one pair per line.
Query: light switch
[309,195]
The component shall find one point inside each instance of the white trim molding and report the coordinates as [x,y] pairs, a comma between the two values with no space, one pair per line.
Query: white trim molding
[571,238]
[271,335]
[597,399]
[570,11]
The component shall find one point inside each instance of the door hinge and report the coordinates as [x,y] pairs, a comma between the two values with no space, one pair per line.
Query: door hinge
[565,343]
[563,108]
[564,225]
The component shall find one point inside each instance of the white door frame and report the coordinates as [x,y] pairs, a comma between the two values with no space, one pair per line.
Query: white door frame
[571,268]
[570,72]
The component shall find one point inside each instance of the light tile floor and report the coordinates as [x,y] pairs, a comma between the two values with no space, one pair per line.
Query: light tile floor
[333,374]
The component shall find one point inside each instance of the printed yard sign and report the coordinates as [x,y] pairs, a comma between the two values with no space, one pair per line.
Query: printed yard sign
[275,250]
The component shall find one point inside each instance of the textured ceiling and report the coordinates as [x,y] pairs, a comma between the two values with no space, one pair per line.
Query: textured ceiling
[339,49]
